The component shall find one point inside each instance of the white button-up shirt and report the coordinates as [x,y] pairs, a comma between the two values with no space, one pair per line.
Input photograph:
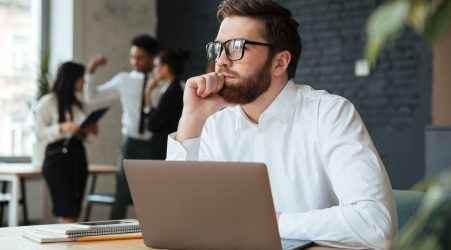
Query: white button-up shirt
[128,87]
[47,119]
[326,176]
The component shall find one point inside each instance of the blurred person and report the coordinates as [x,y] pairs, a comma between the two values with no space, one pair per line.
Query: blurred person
[129,88]
[65,164]
[163,118]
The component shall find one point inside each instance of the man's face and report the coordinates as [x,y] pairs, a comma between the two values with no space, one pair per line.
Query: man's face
[140,60]
[248,78]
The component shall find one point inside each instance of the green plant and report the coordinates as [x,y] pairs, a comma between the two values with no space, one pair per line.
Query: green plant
[44,75]
[430,19]
[430,227]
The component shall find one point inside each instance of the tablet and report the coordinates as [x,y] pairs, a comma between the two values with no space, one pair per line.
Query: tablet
[93,117]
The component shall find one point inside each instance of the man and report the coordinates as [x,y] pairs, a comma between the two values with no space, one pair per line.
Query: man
[327,180]
[130,89]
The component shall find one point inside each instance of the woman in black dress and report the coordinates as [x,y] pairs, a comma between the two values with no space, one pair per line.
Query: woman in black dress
[65,164]
[163,118]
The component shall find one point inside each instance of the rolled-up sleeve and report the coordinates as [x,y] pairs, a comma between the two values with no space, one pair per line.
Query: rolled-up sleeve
[186,151]
[106,92]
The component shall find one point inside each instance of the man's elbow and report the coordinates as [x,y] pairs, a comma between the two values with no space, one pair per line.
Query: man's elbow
[382,239]
[374,224]
[384,230]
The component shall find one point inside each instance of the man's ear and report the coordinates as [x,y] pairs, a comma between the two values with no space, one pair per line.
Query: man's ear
[280,63]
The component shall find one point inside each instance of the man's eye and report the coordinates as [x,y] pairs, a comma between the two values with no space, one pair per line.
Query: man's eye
[237,45]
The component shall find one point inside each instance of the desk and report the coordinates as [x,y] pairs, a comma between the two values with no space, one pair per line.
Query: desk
[13,172]
[11,238]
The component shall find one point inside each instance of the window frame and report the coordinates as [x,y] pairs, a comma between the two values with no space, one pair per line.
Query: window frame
[44,31]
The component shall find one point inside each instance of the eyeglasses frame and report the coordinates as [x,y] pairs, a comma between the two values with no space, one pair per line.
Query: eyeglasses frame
[226,51]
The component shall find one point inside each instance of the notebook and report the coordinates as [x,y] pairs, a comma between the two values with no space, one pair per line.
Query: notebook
[47,237]
[73,232]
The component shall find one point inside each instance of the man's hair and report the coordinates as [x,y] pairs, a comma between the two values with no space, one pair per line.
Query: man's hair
[146,42]
[281,30]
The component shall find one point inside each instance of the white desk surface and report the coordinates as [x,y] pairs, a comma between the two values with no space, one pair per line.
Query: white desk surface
[12,172]
[11,238]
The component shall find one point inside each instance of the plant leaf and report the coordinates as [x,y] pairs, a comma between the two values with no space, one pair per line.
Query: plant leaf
[439,22]
[384,25]
[418,14]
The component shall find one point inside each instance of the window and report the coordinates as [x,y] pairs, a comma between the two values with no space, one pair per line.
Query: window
[20,49]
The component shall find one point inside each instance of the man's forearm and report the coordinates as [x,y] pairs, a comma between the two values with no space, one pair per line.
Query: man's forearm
[189,127]
[361,225]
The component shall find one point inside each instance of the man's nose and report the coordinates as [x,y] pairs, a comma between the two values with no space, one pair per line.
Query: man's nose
[223,60]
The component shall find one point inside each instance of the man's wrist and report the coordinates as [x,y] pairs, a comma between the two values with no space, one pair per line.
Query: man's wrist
[190,126]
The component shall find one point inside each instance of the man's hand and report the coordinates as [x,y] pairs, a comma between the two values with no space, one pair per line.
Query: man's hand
[96,62]
[201,100]
[68,128]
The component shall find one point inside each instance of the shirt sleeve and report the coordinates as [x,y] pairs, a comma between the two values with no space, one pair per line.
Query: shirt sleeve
[106,92]
[46,131]
[186,151]
[366,215]
[196,149]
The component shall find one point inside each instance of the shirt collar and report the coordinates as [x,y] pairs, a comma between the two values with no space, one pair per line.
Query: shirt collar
[139,75]
[280,108]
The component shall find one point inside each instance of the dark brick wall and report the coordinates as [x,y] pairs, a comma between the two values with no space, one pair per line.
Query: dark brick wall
[394,100]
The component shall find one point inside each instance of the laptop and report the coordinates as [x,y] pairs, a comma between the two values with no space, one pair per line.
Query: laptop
[205,205]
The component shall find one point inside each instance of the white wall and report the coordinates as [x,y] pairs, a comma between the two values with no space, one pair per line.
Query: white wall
[107,27]
[81,29]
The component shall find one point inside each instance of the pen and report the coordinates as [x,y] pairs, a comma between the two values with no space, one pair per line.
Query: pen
[112,237]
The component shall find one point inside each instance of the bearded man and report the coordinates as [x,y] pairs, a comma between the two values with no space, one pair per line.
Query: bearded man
[328,182]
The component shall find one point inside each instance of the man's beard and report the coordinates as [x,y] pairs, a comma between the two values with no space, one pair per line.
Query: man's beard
[248,88]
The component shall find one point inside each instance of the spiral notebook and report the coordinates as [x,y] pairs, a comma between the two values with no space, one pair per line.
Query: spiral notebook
[99,230]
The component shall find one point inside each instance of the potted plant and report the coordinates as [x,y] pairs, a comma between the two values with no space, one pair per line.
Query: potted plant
[430,19]
[430,227]
[44,75]
[43,81]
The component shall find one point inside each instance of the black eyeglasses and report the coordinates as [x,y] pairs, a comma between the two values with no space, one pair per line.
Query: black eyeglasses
[234,49]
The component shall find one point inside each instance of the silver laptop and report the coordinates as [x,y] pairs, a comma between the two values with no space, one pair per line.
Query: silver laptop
[205,205]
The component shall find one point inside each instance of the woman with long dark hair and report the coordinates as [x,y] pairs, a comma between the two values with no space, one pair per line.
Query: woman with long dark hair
[163,118]
[65,164]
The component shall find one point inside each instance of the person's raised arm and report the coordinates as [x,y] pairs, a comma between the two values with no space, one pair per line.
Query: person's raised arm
[95,62]
[92,93]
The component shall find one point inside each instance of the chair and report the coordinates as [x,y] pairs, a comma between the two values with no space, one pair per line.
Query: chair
[407,204]
[93,198]
[5,198]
